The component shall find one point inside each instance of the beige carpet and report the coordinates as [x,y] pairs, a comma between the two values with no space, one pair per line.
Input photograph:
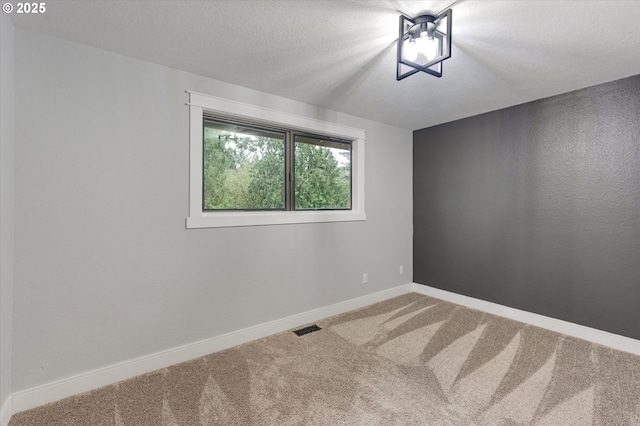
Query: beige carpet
[411,360]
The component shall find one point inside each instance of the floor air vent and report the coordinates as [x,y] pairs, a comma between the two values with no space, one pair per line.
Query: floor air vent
[307,330]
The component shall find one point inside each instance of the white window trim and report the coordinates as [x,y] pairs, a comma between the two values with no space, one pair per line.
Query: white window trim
[198,103]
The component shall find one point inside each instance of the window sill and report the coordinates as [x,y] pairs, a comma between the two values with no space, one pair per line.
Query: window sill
[231,219]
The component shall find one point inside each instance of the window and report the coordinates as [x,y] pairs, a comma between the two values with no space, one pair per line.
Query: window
[243,168]
[255,166]
[250,167]
[322,173]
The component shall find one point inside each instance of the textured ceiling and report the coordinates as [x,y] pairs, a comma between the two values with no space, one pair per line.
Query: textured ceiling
[341,54]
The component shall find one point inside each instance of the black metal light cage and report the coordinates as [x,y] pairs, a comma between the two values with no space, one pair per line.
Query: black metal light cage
[409,28]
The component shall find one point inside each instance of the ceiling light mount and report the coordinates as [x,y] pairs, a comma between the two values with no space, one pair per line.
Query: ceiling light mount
[423,43]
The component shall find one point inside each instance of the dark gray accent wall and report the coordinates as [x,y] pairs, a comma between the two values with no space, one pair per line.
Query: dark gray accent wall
[537,206]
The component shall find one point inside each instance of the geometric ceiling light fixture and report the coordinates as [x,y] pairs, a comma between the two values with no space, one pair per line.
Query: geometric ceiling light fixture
[423,43]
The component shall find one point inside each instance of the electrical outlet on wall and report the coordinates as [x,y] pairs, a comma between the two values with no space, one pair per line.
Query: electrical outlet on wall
[365,278]
[401,270]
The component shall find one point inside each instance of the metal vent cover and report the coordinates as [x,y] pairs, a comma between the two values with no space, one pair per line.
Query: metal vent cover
[307,330]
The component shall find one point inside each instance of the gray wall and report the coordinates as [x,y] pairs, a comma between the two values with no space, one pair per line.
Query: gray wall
[105,270]
[6,205]
[537,207]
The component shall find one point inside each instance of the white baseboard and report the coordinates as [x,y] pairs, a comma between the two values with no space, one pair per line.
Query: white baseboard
[87,381]
[5,411]
[600,337]
[54,391]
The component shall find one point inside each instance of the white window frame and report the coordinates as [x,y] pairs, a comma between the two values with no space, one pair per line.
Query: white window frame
[199,103]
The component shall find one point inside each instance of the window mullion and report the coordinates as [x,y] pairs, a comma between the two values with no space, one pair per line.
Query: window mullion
[289,177]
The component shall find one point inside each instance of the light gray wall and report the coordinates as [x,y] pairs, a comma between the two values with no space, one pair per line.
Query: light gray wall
[105,270]
[6,204]
[537,207]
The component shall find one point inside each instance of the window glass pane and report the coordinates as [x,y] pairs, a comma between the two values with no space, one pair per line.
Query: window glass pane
[322,173]
[243,167]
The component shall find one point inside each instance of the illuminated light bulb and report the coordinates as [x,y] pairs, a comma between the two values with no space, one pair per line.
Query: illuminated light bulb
[427,46]
[422,43]
[411,50]
[431,48]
